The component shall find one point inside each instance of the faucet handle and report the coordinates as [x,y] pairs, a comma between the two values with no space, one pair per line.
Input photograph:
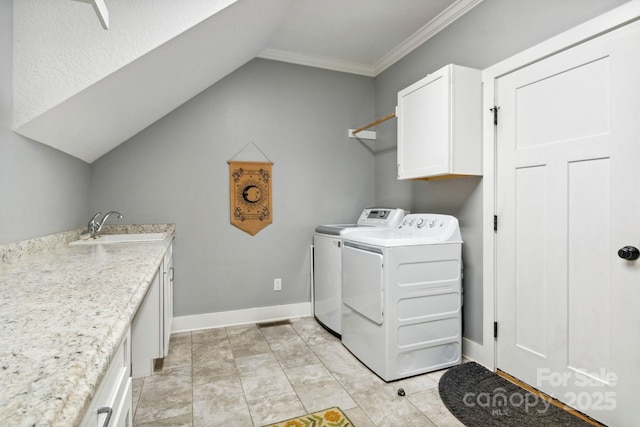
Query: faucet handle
[93,225]
[93,219]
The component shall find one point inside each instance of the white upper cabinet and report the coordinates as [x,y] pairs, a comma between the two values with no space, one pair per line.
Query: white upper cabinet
[439,124]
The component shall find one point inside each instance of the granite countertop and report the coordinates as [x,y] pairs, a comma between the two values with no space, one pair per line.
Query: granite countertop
[63,312]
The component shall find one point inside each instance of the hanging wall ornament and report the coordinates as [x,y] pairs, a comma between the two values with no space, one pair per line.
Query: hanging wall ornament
[250,194]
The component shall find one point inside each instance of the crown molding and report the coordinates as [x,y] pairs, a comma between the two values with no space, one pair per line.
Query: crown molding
[432,28]
[318,62]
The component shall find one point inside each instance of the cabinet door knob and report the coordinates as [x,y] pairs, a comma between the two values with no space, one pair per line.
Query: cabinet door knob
[629,253]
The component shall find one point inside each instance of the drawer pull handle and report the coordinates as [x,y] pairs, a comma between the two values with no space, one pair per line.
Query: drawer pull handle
[105,410]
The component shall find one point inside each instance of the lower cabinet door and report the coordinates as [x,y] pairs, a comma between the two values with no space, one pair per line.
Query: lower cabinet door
[124,413]
[167,315]
[113,399]
[146,333]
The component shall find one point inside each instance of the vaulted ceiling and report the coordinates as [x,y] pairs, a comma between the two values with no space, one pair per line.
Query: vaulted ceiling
[84,90]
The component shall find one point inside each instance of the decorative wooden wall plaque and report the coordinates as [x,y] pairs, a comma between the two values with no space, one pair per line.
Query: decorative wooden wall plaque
[250,192]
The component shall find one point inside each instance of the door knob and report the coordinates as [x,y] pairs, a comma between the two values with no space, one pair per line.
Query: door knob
[629,253]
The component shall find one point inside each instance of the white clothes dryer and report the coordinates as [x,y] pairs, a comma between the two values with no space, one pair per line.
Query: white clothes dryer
[402,296]
[327,262]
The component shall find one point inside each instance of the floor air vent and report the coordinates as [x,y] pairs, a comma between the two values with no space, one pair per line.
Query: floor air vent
[272,324]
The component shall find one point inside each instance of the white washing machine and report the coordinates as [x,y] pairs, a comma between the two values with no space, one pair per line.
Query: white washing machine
[402,296]
[327,262]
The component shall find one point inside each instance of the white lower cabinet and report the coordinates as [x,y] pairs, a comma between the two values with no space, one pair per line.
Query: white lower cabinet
[151,326]
[112,403]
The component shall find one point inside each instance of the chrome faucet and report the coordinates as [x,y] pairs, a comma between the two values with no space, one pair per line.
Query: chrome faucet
[95,226]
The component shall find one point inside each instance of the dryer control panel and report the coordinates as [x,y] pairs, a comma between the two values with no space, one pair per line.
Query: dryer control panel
[428,221]
[377,217]
[414,229]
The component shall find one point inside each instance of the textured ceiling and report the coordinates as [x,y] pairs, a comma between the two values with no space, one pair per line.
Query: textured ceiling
[60,47]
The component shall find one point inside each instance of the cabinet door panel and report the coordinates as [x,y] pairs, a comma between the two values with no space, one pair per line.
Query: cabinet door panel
[424,127]
[123,416]
[146,333]
[113,392]
[439,124]
[167,291]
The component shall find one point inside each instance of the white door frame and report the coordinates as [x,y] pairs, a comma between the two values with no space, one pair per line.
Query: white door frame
[485,353]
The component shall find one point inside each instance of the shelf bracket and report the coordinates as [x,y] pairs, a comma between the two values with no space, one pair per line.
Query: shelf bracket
[364,134]
[369,134]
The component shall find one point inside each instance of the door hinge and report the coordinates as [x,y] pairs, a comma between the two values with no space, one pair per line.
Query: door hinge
[495,223]
[494,110]
[495,329]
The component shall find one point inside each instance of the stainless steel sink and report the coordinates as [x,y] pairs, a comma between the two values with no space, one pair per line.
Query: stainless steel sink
[121,238]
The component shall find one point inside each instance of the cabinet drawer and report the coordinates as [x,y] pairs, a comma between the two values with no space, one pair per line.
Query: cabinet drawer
[112,392]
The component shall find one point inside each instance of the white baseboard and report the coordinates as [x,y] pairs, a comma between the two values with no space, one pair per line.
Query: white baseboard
[476,352]
[240,317]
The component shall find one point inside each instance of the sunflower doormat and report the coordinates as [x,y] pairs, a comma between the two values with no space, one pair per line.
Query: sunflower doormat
[332,417]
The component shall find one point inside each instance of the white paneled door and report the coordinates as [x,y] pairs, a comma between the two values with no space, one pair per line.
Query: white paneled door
[568,198]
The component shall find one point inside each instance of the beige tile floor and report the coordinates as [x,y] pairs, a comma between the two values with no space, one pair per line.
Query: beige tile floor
[245,376]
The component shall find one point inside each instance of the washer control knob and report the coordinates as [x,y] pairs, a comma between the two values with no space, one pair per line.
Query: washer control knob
[432,223]
[420,223]
[411,221]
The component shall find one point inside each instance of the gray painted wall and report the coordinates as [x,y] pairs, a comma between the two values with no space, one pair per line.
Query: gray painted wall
[43,191]
[492,31]
[176,171]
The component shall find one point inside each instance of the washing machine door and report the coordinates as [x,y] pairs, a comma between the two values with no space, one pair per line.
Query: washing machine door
[362,280]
